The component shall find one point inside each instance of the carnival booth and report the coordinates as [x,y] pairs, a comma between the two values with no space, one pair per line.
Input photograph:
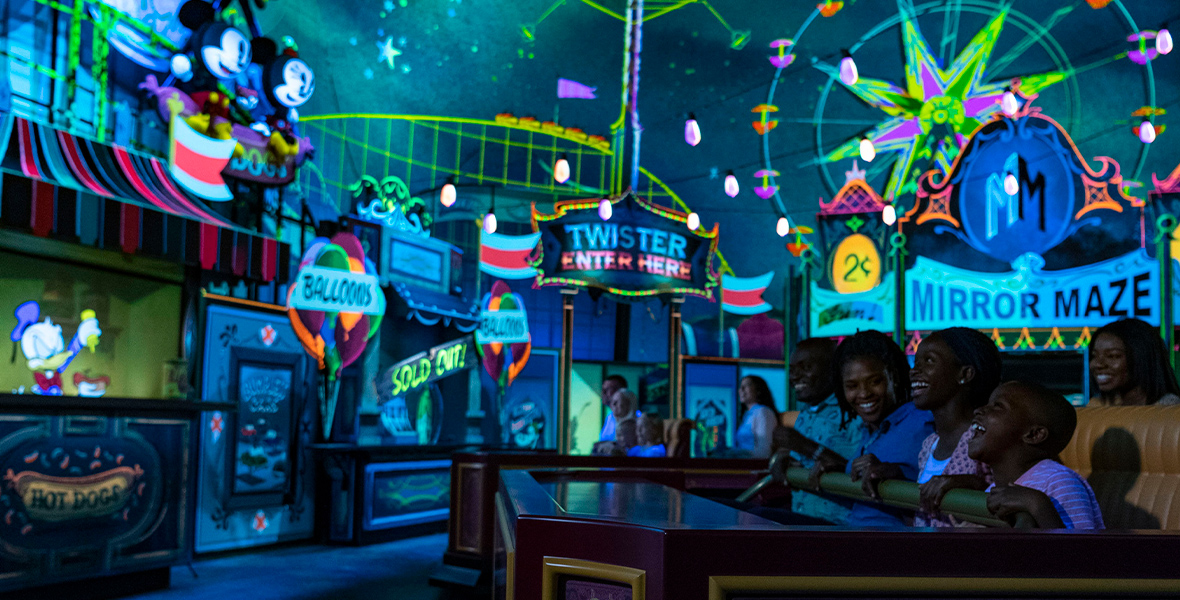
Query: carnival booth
[156,381]
[1024,238]
[106,231]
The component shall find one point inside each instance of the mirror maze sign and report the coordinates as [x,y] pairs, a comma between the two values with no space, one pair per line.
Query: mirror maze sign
[1023,232]
[643,250]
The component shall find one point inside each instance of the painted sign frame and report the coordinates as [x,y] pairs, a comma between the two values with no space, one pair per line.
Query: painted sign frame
[684,257]
[285,362]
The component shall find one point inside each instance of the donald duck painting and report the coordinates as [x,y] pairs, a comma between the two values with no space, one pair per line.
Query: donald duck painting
[45,348]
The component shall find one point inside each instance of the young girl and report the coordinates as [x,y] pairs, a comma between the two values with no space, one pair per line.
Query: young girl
[873,382]
[1129,366]
[955,371]
[651,437]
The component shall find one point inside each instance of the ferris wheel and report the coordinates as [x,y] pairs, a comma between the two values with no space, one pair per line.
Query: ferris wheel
[916,119]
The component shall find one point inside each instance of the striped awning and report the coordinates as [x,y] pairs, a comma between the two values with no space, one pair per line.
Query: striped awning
[60,185]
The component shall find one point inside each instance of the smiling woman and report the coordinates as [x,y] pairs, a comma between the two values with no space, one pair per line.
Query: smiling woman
[1128,366]
[873,382]
[955,371]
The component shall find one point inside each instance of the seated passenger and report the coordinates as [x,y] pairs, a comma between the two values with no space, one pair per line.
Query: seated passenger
[610,385]
[650,432]
[756,431]
[1017,434]
[622,406]
[1129,366]
[955,371]
[873,382]
[821,427]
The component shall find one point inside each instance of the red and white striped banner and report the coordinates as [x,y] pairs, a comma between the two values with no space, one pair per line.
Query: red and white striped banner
[506,256]
[196,161]
[743,295]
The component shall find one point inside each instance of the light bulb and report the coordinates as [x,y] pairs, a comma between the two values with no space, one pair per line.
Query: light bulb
[561,170]
[1011,185]
[867,150]
[1163,41]
[1009,104]
[692,131]
[447,195]
[1146,132]
[848,73]
[783,227]
[489,223]
[694,221]
[889,215]
[731,185]
[605,209]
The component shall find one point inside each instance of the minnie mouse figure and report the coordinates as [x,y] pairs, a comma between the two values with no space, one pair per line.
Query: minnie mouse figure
[286,82]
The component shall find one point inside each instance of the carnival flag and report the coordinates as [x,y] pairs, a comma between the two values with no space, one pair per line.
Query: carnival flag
[568,88]
[196,161]
[743,295]
[506,256]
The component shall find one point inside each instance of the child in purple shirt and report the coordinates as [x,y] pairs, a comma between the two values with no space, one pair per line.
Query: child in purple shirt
[1017,434]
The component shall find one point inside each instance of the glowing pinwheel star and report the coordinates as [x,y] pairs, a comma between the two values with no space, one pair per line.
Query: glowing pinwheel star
[932,115]
[388,52]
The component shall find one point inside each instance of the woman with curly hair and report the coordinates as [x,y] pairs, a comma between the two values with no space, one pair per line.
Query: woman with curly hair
[873,382]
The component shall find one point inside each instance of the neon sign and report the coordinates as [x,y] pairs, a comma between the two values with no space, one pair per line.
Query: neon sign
[334,290]
[426,367]
[1010,205]
[643,250]
[1020,186]
[940,295]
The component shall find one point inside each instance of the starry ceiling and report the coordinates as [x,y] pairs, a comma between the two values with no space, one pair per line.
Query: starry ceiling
[477,58]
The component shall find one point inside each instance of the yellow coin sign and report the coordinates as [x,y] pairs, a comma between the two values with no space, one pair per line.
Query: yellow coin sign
[856,266]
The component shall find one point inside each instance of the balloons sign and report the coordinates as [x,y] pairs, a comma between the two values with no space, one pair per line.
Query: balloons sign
[335,306]
[503,336]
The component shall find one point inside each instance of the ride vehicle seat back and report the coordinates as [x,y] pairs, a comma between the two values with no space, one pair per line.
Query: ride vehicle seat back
[1131,457]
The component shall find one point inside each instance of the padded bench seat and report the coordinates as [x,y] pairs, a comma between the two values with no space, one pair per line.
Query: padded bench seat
[1131,457]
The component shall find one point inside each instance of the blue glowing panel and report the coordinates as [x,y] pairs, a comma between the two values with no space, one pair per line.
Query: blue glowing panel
[407,493]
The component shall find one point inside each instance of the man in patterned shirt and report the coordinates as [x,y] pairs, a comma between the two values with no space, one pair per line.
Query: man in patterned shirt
[821,426]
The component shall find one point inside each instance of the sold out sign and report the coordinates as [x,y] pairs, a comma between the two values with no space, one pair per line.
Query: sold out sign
[426,367]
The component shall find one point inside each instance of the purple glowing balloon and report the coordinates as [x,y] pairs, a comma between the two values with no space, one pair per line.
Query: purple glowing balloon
[350,344]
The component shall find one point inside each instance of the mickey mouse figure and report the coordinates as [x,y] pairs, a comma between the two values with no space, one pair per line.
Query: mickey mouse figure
[221,53]
[45,348]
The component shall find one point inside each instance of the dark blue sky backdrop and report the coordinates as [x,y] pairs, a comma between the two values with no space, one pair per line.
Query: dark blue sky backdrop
[469,58]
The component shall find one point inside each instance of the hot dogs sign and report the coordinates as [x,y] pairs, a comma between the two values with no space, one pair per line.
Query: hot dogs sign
[76,489]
